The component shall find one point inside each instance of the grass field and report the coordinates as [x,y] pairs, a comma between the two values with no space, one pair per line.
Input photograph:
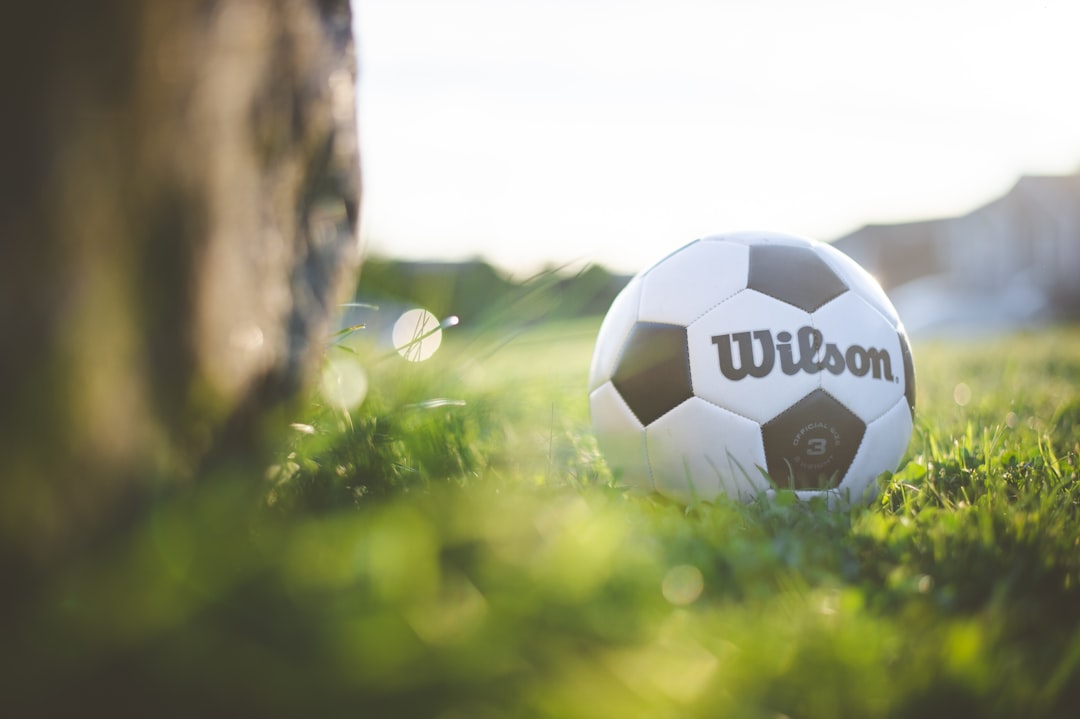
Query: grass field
[454,548]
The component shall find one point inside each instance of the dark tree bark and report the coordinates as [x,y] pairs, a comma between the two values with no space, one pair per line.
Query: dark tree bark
[178,215]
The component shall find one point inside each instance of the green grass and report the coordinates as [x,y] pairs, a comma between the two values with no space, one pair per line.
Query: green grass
[454,548]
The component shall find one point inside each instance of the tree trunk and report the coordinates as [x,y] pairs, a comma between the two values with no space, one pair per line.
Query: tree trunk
[178,221]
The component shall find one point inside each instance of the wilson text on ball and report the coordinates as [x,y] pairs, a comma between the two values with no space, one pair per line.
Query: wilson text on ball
[857,360]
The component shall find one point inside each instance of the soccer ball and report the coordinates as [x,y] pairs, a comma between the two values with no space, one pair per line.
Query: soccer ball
[748,363]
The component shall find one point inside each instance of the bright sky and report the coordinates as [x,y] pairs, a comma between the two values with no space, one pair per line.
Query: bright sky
[533,132]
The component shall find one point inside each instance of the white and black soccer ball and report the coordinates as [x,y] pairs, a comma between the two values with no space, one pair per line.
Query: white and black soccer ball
[749,362]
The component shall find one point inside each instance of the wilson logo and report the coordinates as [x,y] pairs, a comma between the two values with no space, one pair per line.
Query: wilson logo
[814,355]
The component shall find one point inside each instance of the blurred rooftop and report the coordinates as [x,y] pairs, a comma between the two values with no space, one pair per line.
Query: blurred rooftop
[1012,262]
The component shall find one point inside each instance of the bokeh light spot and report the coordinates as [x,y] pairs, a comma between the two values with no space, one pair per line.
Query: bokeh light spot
[344,383]
[961,394]
[417,335]
[683,584]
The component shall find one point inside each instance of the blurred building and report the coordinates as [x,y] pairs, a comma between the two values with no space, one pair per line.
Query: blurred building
[1012,262]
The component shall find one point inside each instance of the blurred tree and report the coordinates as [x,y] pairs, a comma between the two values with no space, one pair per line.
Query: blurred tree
[178,209]
[478,293]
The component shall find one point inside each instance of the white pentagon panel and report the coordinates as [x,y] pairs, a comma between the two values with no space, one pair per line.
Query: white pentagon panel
[748,326]
[691,281]
[620,436]
[613,333]
[863,363]
[754,237]
[858,280]
[883,446]
[699,451]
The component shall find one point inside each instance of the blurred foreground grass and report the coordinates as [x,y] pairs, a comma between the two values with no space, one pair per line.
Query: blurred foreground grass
[454,548]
